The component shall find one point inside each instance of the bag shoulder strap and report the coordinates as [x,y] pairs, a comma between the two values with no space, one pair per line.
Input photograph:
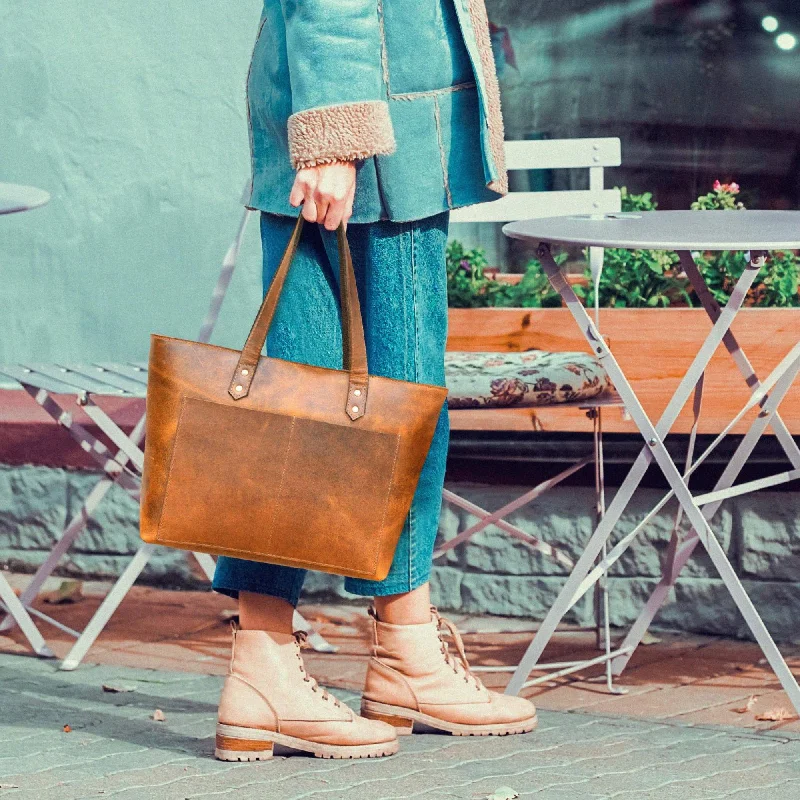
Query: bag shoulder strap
[353,343]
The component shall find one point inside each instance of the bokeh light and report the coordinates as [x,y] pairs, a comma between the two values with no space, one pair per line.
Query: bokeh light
[786,41]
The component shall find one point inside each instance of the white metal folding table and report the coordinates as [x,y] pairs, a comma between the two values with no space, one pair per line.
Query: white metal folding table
[757,232]
[13,199]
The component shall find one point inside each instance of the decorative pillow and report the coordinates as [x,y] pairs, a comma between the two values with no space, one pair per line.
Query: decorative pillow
[530,378]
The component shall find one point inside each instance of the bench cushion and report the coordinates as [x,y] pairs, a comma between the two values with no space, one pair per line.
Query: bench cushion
[530,378]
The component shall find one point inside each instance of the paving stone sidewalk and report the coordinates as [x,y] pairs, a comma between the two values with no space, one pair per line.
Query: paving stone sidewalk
[115,749]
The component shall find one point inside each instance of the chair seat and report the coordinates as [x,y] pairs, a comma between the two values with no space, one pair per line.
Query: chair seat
[529,378]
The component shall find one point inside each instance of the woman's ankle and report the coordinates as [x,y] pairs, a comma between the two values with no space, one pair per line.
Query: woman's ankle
[263,612]
[408,608]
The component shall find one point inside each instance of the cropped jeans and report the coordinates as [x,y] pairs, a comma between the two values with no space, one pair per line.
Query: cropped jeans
[401,279]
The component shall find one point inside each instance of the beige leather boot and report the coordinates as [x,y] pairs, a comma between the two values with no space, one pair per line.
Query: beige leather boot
[268,698]
[413,677]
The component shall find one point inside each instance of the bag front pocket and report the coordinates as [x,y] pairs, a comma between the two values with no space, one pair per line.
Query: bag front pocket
[334,495]
[278,488]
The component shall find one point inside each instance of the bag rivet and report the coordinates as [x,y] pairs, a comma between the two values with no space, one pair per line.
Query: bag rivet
[355,409]
[244,372]
[238,388]
[357,392]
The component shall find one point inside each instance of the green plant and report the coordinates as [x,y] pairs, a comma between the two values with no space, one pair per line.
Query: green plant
[534,289]
[722,198]
[631,278]
[469,287]
[637,202]
[636,278]
[780,287]
[775,287]
[644,279]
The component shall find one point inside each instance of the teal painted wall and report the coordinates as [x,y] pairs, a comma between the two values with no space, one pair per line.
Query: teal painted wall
[133,116]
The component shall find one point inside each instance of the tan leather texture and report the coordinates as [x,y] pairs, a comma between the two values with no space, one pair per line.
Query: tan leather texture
[271,460]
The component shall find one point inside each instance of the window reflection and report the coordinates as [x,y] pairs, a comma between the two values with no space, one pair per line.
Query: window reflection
[698,90]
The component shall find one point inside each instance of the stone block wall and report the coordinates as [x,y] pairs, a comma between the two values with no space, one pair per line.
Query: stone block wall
[492,574]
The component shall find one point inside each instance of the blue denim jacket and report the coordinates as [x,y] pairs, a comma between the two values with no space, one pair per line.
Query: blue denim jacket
[405,88]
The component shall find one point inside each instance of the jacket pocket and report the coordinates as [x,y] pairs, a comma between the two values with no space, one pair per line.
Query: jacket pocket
[424,46]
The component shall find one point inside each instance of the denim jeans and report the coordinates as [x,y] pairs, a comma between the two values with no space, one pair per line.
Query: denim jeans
[401,279]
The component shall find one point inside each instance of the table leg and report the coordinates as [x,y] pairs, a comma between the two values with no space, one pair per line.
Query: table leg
[678,556]
[720,560]
[653,436]
[677,559]
[107,608]
[112,466]
[19,613]
[782,434]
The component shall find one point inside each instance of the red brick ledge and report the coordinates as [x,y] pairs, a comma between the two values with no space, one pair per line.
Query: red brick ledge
[28,435]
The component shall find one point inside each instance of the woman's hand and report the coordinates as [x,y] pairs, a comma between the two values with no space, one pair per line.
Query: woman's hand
[326,193]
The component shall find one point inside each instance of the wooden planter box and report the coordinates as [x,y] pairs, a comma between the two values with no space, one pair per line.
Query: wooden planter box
[654,348]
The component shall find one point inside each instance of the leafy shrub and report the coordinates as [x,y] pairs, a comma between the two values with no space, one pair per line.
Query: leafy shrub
[774,287]
[469,287]
[636,278]
[631,278]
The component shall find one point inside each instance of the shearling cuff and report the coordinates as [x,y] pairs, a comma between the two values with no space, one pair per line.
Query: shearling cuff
[344,132]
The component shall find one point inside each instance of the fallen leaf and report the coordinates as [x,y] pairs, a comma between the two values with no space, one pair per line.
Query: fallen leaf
[67,729]
[748,706]
[68,592]
[158,715]
[118,688]
[649,638]
[503,793]
[775,715]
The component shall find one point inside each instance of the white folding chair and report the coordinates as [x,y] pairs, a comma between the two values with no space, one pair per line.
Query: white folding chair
[122,467]
[595,155]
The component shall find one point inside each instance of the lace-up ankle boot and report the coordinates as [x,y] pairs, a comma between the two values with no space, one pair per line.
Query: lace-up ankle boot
[413,678]
[269,698]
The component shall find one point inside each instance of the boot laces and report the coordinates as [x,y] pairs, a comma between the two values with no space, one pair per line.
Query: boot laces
[462,662]
[301,637]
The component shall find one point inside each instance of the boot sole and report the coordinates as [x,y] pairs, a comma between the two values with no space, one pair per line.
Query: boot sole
[403,719]
[235,743]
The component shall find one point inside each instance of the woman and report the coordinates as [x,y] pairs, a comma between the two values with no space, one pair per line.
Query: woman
[383,114]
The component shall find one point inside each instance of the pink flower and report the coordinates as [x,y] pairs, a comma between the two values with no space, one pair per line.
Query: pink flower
[730,188]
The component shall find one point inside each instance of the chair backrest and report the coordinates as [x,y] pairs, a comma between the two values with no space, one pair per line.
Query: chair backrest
[592,154]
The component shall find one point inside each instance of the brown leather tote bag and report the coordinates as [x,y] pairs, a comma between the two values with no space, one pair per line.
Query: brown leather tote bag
[271,460]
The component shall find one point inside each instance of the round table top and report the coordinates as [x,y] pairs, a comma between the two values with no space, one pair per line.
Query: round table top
[668,230]
[14,197]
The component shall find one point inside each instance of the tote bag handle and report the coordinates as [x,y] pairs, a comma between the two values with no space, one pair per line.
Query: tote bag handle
[353,344]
